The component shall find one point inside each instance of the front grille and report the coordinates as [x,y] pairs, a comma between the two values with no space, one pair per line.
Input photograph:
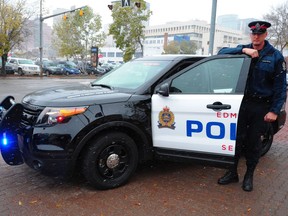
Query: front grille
[30,115]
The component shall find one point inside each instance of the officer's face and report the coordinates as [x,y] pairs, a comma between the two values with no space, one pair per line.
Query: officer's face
[258,39]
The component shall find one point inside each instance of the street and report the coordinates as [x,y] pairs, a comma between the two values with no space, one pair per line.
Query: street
[159,188]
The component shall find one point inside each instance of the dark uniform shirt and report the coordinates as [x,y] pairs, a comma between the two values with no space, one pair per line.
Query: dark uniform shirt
[268,76]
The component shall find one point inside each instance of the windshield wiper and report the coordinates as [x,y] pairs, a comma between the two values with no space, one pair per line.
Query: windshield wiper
[101,85]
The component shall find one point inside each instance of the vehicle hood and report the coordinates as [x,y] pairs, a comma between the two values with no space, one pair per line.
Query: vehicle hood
[54,68]
[72,69]
[29,65]
[79,95]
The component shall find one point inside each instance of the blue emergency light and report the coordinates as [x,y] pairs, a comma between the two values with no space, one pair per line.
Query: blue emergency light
[4,140]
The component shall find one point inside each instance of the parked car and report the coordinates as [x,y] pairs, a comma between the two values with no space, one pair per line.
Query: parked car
[52,68]
[24,66]
[107,67]
[172,107]
[8,67]
[100,70]
[69,68]
[88,69]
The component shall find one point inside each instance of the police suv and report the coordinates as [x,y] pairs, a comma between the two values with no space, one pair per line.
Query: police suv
[173,107]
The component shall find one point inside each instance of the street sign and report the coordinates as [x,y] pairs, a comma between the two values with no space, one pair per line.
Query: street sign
[94,56]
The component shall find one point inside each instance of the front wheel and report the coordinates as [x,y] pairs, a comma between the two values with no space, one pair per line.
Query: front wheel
[20,72]
[110,160]
[267,139]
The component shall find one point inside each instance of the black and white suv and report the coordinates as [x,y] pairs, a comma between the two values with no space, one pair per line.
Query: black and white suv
[165,107]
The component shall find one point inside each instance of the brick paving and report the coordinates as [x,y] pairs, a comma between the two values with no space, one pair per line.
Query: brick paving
[164,188]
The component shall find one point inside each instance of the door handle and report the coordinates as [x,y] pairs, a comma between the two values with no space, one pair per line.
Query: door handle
[218,106]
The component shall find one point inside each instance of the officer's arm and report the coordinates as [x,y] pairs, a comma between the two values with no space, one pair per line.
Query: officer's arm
[228,50]
[279,86]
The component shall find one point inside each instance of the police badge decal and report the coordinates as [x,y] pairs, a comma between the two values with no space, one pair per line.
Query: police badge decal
[166,119]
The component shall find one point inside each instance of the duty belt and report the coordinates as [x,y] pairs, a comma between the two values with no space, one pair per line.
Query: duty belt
[256,98]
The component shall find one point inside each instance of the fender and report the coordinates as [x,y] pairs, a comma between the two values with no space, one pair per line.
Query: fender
[143,141]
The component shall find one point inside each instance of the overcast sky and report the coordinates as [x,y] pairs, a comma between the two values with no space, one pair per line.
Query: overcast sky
[178,10]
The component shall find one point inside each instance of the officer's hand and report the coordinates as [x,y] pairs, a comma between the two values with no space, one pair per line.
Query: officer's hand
[270,117]
[251,52]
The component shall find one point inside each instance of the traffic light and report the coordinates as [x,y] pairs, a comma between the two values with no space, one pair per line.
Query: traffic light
[110,7]
[65,17]
[138,4]
[81,12]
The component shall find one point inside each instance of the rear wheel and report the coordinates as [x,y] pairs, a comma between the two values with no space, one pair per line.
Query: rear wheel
[267,139]
[110,160]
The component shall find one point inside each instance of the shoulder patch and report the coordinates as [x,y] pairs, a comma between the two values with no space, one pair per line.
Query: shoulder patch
[284,66]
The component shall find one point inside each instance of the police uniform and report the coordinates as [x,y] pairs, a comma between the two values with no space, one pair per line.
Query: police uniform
[265,92]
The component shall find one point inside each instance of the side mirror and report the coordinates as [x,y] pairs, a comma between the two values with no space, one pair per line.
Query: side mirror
[163,90]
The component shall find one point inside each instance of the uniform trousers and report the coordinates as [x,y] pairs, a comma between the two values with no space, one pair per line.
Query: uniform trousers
[250,128]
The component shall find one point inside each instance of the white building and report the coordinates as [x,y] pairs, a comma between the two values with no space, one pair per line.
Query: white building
[197,31]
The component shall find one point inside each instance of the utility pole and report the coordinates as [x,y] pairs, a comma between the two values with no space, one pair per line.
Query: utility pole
[41,38]
[212,27]
[41,29]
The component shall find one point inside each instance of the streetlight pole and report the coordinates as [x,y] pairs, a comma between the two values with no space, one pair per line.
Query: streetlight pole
[41,39]
[212,27]
[41,30]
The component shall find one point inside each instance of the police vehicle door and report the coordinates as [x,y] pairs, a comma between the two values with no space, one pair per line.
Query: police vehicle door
[197,109]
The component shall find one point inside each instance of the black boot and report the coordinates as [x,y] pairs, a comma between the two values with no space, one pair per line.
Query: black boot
[229,177]
[248,182]
[248,179]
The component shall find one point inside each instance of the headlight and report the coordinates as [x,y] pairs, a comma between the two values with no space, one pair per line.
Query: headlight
[51,115]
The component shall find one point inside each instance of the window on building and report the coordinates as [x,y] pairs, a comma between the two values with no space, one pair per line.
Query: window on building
[111,54]
[119,54]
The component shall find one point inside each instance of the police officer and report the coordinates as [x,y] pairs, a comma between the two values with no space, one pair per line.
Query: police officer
[263,99]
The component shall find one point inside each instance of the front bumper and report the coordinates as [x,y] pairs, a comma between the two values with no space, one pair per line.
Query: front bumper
[49,163]
[43,149]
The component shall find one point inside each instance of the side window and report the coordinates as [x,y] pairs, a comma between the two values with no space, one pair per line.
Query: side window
[213,76]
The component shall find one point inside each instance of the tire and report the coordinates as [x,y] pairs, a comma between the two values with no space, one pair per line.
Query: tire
[267,139]
[20,72]
[110,160]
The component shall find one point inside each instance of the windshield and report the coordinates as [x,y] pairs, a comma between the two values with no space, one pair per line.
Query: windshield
[25,61]
[71,64]
[132,75]
[49,64]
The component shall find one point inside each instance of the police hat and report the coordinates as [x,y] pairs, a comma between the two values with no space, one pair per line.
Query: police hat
[259,27]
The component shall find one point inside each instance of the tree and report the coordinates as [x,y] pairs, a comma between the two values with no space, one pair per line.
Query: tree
[128,27]
[184,47]
[12,27]
[278,17]
[172,48]
[77,33]
[188,47]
